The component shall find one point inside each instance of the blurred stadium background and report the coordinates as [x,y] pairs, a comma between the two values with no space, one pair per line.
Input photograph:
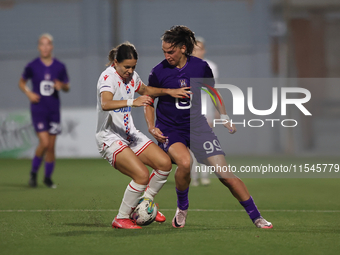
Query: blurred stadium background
[268,43]
[255,43]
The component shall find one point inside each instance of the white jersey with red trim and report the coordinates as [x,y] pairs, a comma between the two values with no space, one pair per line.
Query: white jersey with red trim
[116,124]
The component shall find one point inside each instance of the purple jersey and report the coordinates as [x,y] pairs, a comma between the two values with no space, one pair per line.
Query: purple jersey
[42,78]
[181,119]
[174,112]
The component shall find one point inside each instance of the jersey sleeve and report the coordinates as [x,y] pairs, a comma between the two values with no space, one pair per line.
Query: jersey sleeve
[107,83]
[153,80]
[208,74]
[138,82]
[27,74]
[63,75]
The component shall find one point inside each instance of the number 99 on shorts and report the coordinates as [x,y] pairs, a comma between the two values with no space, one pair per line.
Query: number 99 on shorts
[210,147]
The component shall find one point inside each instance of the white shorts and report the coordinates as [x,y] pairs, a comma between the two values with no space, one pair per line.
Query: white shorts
[138,146]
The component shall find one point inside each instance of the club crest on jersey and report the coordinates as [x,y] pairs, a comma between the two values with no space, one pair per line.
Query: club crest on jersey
[40,125]
[183,83]
[120,143]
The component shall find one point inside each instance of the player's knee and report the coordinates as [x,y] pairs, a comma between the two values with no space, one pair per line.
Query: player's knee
[50,148]
[142,177]
[164,164]
[43,144]
[184,163]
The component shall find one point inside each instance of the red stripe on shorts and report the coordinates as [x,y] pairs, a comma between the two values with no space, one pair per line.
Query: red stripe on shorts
[143,148]
[116,153]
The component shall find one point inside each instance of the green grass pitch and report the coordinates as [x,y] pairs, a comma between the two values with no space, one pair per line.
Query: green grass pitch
[76,217]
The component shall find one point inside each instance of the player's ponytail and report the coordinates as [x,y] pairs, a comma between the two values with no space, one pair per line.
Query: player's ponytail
[123,51]
[179,36]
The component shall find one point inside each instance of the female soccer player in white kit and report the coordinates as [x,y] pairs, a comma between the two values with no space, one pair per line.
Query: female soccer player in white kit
[118,140]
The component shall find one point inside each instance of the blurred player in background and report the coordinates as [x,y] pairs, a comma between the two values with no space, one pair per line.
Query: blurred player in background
[200,51]
[180,124]
[48,76]
[118,140]
[210,111]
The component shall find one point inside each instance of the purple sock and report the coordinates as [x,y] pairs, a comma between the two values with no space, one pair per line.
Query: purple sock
[49,167]
[251,209]
[182,199]
[36,162]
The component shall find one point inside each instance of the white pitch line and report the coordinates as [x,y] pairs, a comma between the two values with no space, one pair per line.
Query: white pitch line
[191,210]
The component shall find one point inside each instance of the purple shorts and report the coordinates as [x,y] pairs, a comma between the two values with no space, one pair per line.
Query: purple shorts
[46,121]
[201,140]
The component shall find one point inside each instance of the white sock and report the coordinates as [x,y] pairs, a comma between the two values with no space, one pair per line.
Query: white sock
[132,195]
[156,182]
[193,173]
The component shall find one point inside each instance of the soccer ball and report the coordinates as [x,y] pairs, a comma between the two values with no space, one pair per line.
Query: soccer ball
[145,212]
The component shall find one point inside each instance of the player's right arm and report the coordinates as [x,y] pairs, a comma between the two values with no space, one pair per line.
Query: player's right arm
[109,104]
[176,93]
[33,97]
[149,114]
[149,111]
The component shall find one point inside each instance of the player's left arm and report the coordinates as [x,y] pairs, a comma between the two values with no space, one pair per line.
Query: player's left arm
[220,107]
[59,85]
[155,92]
[62,82]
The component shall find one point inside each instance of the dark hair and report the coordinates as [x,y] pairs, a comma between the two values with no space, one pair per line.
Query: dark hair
[179,36]
[123,51]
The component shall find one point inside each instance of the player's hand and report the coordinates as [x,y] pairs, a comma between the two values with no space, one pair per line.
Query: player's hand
[157,134]
[33,97]
[180,93]
[142,101]
[231,128]
[58,85]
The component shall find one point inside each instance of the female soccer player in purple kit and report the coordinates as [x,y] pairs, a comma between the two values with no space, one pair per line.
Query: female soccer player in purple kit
[48,75]
[180,124]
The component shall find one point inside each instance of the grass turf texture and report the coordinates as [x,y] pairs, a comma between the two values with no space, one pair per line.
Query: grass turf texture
[76,217]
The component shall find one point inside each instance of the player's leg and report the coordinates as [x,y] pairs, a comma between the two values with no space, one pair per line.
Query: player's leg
[238,189]
[43,143]
[179,153]
[207,150]
[193,171]
[38,157]
[40,124]
[156,158]
[50,161]
[50,121]
[50,150]
[235,184]
[129,164]
[124,159]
